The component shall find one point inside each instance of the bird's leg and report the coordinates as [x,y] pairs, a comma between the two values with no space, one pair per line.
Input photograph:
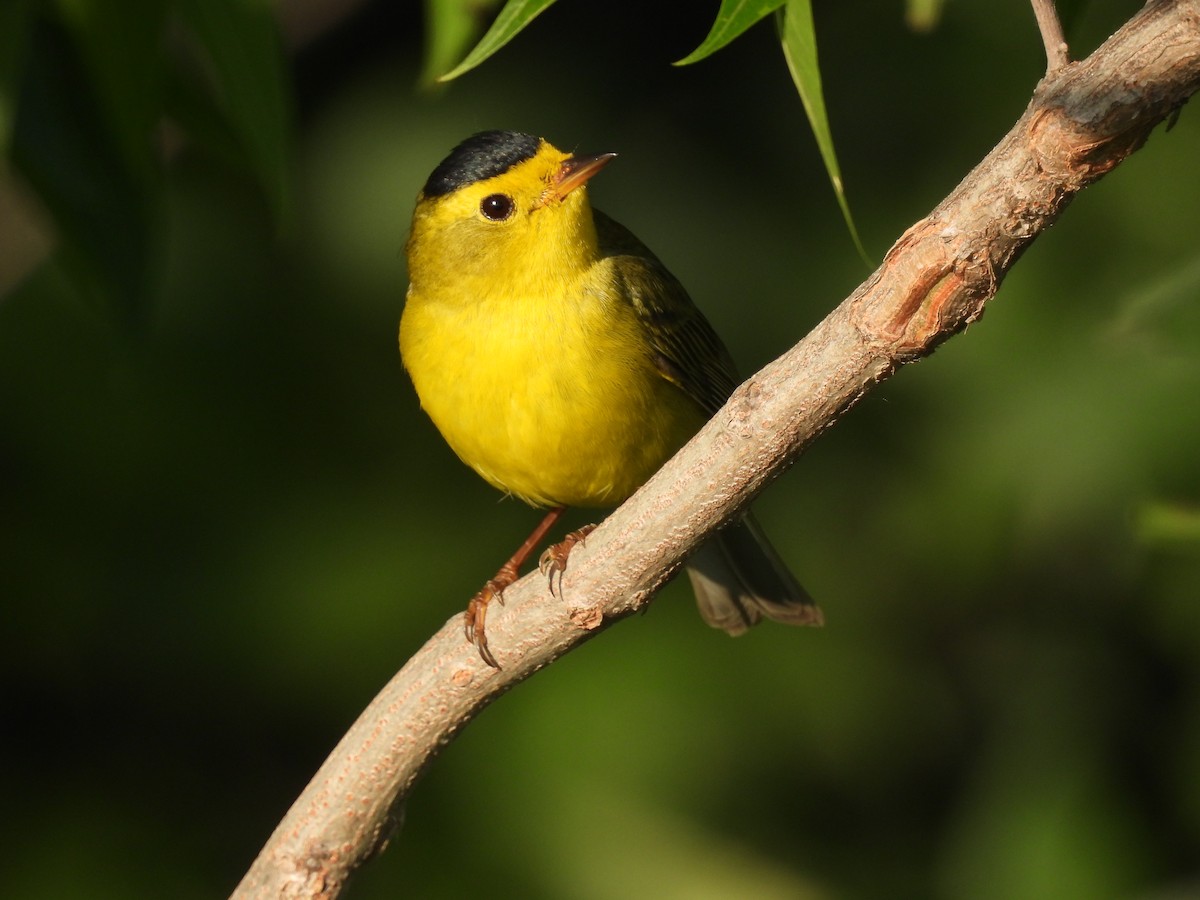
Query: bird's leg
[476,614]
[554,560]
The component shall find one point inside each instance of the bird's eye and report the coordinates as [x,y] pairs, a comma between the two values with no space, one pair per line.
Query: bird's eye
[496,207]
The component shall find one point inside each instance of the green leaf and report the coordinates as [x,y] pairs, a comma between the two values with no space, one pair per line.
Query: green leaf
[241,41]
[733,18]
[923,15]
[450,26]
[512,19]
[800,50]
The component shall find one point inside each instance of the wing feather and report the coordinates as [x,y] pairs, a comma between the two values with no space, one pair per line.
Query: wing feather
[687,351]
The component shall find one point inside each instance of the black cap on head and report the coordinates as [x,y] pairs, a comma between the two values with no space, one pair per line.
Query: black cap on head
[483,155]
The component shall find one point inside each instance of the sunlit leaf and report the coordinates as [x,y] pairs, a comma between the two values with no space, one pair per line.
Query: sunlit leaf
[733,18]
[450,26]
[512,19]
[800,50]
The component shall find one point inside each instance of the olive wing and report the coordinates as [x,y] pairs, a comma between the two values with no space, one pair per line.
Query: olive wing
[687,351]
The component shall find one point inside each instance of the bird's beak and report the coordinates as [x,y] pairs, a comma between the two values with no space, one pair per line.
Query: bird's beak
[576,171]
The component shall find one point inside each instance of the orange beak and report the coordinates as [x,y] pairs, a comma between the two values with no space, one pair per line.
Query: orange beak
[575,172]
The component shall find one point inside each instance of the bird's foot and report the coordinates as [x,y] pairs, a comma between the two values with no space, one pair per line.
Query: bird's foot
[554,560]
[475,617]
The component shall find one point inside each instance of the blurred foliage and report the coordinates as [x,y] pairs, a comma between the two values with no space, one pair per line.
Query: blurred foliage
[923,15]
[225,522]
[102,95]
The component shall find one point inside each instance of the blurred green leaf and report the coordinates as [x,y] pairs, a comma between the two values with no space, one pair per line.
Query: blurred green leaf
[121,46]
[15,20]
[1165,524]
[800,50]
[240,39]
[106,215]
[1161,315]
[512,19]
[733,18]
[191,105]
[450,26]
[923,15]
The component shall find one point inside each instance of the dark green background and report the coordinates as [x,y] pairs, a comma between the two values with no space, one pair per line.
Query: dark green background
[225,523]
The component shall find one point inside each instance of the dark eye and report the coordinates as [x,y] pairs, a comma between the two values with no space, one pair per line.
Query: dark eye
[496,207]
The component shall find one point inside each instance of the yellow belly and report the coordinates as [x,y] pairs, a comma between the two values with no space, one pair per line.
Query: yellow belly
[556,402]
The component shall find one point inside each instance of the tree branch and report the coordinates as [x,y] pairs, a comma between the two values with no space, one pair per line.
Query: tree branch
[1083,120]
[1057,53]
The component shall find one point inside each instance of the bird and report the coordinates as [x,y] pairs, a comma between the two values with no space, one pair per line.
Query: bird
[563,362]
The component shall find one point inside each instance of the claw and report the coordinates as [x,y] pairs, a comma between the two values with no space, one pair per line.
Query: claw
[554,560]
[475,617]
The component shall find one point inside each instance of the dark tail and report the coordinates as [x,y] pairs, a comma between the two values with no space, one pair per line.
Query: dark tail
[739,578]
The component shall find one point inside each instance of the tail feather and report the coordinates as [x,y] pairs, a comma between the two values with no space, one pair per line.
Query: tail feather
[739,578]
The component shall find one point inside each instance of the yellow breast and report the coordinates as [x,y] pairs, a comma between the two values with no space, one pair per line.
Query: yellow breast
[554,398]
